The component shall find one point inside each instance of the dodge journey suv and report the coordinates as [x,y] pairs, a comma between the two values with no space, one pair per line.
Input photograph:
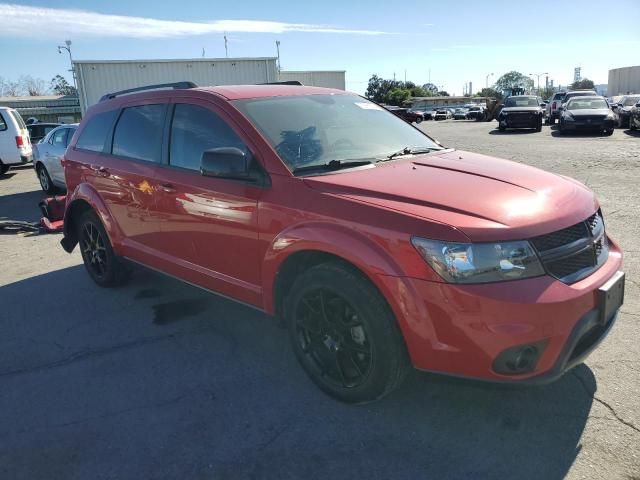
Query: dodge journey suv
[379,248]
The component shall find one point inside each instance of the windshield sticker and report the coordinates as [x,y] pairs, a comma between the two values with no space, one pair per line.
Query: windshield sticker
[368,106]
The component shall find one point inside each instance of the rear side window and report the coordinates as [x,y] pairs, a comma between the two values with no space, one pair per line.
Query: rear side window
[195,129]
[16,116]
[59,138]
[95,132]
[558,96]
[3,124]
[138,133]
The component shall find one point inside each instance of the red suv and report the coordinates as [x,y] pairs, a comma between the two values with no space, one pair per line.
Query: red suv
[379,247]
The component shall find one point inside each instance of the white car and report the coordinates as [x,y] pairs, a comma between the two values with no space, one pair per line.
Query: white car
[47,157]
[15,146]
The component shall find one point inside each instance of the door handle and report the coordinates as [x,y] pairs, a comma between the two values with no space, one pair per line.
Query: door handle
[100,171]
[167,188]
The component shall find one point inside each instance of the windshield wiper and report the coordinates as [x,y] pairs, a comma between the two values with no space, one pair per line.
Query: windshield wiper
[332,165]
[410,151]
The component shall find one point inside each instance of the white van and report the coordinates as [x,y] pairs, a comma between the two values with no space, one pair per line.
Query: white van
[15,146]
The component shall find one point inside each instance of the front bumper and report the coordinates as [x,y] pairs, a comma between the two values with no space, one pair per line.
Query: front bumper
[461,330]
[593,125]
[520,121]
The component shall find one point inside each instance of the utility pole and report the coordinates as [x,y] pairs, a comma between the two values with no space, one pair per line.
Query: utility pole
[67,47]
[394,76]
[487,79]
[405,76]
[278,52]
[226,50]
[202,52]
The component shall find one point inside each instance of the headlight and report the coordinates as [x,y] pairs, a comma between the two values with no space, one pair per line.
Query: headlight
[479,262]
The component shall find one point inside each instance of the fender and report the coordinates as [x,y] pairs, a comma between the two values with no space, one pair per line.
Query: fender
[85,192]
[350,245]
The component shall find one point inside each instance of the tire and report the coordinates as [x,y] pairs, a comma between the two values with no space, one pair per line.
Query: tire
[3,168]
[344,335]
[502,128]
[102,264]
[419,120]
[609,132]
[561,128]
[552,120]
[539,127]
[45,180]
[632,125]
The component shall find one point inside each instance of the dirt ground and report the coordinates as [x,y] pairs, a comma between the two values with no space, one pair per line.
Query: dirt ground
[160,380]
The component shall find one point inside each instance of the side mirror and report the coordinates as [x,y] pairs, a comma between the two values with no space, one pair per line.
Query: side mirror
[502,105]
[225,162]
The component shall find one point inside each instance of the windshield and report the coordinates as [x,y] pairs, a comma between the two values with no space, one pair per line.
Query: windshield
[521,102]
[316,129]
[631,101]
[586,103]
[559,96]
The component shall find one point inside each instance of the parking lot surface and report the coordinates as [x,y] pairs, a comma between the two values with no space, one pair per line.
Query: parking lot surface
[160,380]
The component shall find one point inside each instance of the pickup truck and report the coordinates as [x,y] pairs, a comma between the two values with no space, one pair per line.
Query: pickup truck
[553,107]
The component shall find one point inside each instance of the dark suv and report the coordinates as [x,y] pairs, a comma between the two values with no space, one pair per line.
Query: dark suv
[377,246]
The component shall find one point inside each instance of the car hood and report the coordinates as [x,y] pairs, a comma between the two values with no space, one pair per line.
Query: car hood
[589,112]
[484,197]
[520,109]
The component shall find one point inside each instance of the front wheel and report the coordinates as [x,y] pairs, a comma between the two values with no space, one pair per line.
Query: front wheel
[609,132]
[102,264]
[344,334]
[632,125]
[539,127]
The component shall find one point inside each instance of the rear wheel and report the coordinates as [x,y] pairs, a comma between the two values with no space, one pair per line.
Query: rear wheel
[102,264]
[3,168]
[45,180]
[344,335]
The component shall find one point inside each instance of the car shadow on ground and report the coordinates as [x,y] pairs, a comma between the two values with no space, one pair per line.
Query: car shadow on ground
[515,131]
[91,381]
[21,206]
[632,133]
[575,134]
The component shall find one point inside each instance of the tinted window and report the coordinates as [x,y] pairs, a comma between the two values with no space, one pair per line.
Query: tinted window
[521,102]
[138,133]
[195,129]
[3,124]
[59,138]
[95,132]
[587,103]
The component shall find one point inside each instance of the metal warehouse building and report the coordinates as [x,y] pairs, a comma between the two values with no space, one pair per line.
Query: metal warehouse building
[624,80]
[316,78]
[46,108]
[96,78]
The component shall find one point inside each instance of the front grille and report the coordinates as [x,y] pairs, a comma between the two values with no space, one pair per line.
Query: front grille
[574,252]
[592,118]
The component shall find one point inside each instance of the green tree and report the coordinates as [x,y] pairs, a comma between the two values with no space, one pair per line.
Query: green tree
[60,86]
[583,84]
[511,80]
[397,96]
[489,92]
[378,87]
[443,93]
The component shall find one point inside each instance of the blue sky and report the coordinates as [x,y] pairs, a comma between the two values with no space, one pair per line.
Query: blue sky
[449,43]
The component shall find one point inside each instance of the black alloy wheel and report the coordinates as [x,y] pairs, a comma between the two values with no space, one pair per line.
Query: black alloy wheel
[334,338]
[102,264]
[344,334]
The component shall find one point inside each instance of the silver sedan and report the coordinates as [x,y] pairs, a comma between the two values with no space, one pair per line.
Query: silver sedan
[47,157]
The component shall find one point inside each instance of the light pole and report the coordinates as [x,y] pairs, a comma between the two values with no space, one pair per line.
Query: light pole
[538,75]
[67,47]
[278,50]
[487,79]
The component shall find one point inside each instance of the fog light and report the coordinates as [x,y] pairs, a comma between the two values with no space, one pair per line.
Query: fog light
[520,359]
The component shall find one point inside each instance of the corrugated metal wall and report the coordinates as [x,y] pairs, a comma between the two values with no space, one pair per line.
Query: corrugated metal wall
[624,80]
[327,79]
[98,78]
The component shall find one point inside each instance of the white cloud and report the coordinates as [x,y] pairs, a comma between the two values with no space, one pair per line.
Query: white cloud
[23,21]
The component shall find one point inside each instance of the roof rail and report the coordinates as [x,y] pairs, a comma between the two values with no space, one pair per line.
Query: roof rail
[175,86]
[287,82]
